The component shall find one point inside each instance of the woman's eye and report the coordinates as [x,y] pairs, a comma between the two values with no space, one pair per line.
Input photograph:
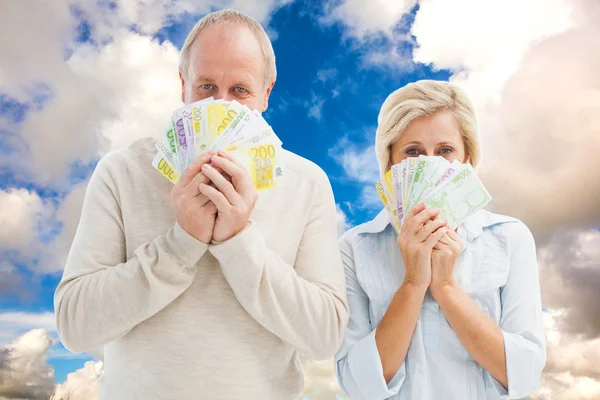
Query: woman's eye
[412,152]
[447,150]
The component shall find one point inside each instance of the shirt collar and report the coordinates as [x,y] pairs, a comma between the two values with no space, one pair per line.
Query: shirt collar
[376,225]
[473,226]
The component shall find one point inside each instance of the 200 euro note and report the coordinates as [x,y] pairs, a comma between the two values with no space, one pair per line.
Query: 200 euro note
[460,196]
[264,163]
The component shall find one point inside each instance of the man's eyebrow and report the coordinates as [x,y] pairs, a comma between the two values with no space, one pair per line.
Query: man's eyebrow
[243,84]
[204,79]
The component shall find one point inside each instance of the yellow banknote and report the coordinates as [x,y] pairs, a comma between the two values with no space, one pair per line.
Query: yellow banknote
[165,168]
[263,163]
[388,200]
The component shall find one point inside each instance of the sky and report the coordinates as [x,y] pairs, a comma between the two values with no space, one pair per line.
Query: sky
[79,78]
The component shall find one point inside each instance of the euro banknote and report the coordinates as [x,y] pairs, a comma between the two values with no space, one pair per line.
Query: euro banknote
[221,125]
[452,187]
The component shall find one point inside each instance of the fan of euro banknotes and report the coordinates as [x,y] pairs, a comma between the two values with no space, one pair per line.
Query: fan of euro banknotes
[454,188]
[220,125]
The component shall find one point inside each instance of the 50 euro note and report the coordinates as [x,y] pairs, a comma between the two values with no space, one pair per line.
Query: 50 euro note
[164,168]
[387,197]
[214,114]
[461,195]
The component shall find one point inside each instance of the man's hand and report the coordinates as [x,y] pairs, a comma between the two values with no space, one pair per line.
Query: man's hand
[196,214]
[444,257]
[234,200]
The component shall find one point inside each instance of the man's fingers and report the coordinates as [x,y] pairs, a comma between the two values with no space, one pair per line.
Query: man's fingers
[239,176]
[216,197]
[191,189]
[223,185]
[228,156]
[194,169]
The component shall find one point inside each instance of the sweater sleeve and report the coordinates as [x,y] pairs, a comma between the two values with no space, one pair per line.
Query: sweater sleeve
[304,304]
[102,295]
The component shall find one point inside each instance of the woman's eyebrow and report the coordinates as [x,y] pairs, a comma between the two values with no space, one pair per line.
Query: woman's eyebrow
[446,143]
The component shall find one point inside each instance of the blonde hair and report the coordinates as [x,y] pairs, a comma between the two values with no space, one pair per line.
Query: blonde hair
[235,17]
[424,98]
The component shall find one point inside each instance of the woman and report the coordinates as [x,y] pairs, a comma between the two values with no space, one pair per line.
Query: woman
[437,313]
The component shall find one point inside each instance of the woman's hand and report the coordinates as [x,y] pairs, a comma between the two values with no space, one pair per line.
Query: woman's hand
[420,232]
[443,260]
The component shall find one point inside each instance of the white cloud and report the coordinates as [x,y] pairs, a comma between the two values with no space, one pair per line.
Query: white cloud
[572,371]
[392,57]
[22,69]
[99,97]
[570,280]
[374,30]
[343,223]
[369,18]
[20,213]
[81,384]
[325,75]
[18,323]
[24,372]
[359,165]
[315,106]
[536,92]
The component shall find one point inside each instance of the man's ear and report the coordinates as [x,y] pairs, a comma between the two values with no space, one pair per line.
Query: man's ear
[267,94]
[182,79]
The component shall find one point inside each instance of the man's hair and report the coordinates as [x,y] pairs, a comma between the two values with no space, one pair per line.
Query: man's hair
[230,16]
[424,98]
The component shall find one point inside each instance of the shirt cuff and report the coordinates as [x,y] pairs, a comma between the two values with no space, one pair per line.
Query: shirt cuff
[183,247]
[523,366]
[236,247]
[367,370]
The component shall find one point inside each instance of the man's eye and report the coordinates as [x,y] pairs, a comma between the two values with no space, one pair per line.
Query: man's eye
[240,90]
[206,86]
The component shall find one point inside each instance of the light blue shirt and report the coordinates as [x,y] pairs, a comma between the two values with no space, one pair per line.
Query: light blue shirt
[497,269]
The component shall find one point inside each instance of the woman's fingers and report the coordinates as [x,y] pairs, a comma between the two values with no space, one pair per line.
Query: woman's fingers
[429,227]
[415,223]
[435,237]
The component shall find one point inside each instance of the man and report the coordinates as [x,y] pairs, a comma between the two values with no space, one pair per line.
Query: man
[206,289]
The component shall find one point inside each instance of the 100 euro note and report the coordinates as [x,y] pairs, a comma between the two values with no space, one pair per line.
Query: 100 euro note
[460,196]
